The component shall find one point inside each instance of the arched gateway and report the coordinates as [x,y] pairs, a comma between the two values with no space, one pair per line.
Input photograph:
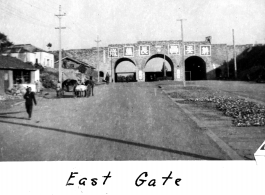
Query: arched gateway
[138,61]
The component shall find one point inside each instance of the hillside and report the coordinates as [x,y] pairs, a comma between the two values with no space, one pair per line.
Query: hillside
[251,64]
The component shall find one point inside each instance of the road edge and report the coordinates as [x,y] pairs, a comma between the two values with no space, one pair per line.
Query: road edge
[232,154]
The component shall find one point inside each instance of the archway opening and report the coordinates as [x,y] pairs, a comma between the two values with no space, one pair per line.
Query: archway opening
[159,67]
[125,70]
[101,74]
[195,68]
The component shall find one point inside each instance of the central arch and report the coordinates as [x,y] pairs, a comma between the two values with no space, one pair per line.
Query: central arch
[125,70]
[154,68]
[195,68]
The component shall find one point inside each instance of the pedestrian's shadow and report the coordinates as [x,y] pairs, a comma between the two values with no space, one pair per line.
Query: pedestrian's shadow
[6,113]
[15,117]
[158,148]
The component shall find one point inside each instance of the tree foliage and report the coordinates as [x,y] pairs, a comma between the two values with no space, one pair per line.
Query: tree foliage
[4,41]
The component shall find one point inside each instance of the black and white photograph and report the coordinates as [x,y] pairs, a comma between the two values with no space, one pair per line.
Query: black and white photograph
[118,82]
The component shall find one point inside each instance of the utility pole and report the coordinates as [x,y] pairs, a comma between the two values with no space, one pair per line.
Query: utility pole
[98,55]
[164,64]
[60,42]
[234,54]
[183,62]
[227,63]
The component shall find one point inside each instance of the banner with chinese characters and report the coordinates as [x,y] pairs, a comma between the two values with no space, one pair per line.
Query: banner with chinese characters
[144,50]
[189,49]
[205,50]
[174,49]
[128,51]
[113,52]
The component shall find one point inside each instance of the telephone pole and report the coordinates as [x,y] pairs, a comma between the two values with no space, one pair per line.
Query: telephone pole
[183,62]
[234,54]
[60,42]
[98,55]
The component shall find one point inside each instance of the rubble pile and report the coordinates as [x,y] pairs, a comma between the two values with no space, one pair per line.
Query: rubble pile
[245,113]
[16,92]
[2,98]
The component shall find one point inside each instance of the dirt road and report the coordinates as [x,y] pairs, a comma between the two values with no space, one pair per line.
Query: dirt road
[123,121]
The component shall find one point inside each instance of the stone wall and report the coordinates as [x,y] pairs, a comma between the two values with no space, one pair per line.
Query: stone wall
[220,54]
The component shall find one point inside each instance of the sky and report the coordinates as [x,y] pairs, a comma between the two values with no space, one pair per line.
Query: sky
[129,21]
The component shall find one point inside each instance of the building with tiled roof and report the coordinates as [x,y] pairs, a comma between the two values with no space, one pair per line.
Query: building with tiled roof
[30,53]
[14,71]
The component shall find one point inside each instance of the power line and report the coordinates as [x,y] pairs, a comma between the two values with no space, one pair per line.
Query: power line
[36,7]
[11,10]
[8,11]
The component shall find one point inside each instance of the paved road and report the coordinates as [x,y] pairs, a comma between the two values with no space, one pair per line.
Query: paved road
[123,121]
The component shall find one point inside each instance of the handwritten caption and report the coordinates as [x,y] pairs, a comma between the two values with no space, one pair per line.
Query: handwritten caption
[141,180]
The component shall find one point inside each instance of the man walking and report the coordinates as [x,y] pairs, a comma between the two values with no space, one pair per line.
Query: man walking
[92,84]
[58,89]
[30,98]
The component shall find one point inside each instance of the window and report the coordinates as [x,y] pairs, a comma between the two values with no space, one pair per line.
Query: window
[21,76]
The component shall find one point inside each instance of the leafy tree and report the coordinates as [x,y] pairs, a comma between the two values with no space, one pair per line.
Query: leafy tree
[4,42]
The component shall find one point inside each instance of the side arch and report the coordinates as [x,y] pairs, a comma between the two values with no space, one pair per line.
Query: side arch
[125,70]
[195,68]
[157,73]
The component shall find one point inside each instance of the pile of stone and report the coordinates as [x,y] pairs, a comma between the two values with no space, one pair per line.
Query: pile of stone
[16,92]
[2,98]
[245,113]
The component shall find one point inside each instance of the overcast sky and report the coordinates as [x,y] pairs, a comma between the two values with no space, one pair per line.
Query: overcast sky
[129,21]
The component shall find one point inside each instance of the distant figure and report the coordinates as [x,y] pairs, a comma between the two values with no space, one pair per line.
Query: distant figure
[75,92]
[107,78]
[58,88]
[92,84]
[30,98]
[38,86]
[88,89]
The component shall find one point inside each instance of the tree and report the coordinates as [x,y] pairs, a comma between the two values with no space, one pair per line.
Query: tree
[4,42]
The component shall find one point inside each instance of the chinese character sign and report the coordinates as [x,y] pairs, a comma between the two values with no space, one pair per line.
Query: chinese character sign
[205,50]
[113,52]
[128,51]
[144,50]
[174,49]
[189,49]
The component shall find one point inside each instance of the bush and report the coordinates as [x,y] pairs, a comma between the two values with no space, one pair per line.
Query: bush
[49,77]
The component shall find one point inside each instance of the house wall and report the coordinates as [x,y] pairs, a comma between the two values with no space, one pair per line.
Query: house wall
[45,59]
[25,57]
